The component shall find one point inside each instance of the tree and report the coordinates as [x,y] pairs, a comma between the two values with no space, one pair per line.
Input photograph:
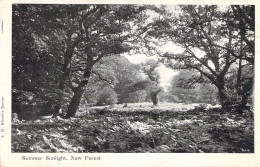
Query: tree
[244,17]
[185,92]
[150,84]
[212,41]
[34,70]
[101,38]
[113,73]
[153,88]
[77,36]
[100,89]
[125,73]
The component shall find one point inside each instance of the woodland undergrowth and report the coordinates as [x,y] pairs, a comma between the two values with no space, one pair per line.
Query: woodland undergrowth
[104,130]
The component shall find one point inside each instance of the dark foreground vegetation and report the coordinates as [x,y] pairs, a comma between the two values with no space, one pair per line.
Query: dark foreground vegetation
[111,130]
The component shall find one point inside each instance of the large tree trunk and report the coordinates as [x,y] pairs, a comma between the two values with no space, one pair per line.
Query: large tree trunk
[223,99]
[65,71]
[78,92]
[74,103]
[238,104]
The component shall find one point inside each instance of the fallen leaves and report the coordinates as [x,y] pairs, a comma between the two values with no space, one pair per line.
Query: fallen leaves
[137,131]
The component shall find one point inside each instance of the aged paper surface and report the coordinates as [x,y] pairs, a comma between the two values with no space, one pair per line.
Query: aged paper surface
[8,159]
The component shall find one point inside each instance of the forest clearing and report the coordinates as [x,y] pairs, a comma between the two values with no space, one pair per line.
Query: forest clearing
[138,129]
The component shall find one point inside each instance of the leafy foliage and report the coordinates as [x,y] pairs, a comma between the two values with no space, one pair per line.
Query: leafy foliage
[212,41]
[186,89]
[64,44]
[152,88]
[111,77]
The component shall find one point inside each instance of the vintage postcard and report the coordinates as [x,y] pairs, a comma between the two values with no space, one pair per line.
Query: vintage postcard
[129,83]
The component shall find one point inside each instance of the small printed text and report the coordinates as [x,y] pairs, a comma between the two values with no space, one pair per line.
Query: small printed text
[60,158]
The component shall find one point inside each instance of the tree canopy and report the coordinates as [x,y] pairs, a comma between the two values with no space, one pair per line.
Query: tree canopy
[64,54]
[213,41]
[75,38]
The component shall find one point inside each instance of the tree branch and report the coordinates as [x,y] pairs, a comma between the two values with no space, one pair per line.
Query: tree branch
[101,78]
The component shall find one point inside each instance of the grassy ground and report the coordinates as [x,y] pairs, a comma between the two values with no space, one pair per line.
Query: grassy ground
[135,128]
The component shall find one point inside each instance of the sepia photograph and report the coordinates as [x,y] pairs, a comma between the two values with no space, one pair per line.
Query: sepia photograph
[132,78]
